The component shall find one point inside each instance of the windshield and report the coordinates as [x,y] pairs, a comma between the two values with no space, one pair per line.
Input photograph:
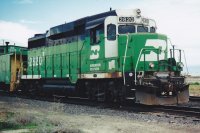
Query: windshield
[152,30]
[142,29]
[124,29]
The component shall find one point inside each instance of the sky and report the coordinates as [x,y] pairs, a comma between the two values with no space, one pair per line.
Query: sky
[178,19]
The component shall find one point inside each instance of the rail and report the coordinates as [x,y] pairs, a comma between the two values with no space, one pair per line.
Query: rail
[195,98]
[180,110]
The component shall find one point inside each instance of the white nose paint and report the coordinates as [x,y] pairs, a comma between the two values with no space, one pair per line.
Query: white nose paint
[157,44]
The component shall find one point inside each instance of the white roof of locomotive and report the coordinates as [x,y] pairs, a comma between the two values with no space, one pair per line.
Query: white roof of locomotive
[127,12]
[137,14]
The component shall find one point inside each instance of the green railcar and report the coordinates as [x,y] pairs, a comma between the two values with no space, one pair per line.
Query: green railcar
[112,56]
[11,66]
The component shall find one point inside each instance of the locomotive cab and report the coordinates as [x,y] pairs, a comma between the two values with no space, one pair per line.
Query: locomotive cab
[146,68]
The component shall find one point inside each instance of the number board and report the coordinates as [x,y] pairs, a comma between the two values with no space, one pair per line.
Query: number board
[126,20]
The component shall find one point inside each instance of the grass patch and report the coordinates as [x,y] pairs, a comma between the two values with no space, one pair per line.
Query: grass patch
[37,124]
[13,121]
[6,126]
[195,83]
[11,126]
[194,89]
[5,115]
[33,121]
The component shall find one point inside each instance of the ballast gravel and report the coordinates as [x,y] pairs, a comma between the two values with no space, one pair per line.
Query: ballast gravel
[80,118]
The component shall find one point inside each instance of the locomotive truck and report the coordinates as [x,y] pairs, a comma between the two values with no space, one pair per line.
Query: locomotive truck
[113,56]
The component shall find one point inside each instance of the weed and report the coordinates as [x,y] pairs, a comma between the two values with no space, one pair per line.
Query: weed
[21,119]
[5,126]
[195,83]
[194,90]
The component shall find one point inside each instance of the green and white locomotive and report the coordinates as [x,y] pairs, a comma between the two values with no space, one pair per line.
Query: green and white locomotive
[113,56]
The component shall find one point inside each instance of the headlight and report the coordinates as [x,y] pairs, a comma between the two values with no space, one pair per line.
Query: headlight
[151,65]
[130,74]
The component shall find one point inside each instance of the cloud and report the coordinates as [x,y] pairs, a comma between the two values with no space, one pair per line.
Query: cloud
[179,20]
[23,1]
[16,32]
[23,21]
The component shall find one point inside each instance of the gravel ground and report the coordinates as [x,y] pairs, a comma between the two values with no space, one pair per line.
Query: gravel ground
[77,118]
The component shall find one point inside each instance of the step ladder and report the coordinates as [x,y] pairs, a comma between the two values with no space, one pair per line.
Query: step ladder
[130,94]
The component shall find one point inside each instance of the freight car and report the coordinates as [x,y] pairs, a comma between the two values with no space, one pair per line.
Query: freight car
[113,56]
[11,64]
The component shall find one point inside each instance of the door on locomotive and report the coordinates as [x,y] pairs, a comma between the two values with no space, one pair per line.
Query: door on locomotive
[111,45]
[15,70]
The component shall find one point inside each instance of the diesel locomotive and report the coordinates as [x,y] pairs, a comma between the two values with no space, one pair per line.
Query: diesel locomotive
[109,57]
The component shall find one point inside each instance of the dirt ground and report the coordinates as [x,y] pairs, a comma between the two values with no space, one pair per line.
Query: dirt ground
[194,90]
[54,119]
[194,87]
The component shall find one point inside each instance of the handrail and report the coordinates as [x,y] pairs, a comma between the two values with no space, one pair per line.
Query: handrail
[140,57]
[137,63]
[125,59]
[183,54]
[185,62]
[180,58]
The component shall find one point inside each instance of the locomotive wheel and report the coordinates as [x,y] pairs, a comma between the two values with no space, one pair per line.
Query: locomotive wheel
[90,90]
[101,91]
[38,88]
[110,93]
[24,87]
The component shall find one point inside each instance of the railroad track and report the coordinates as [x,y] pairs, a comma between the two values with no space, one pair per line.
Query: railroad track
[195,98]
[174,110]
[170,109]
[178,110]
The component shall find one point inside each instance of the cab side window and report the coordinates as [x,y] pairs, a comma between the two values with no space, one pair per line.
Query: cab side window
[95,35]
[111,32]
[1,50]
